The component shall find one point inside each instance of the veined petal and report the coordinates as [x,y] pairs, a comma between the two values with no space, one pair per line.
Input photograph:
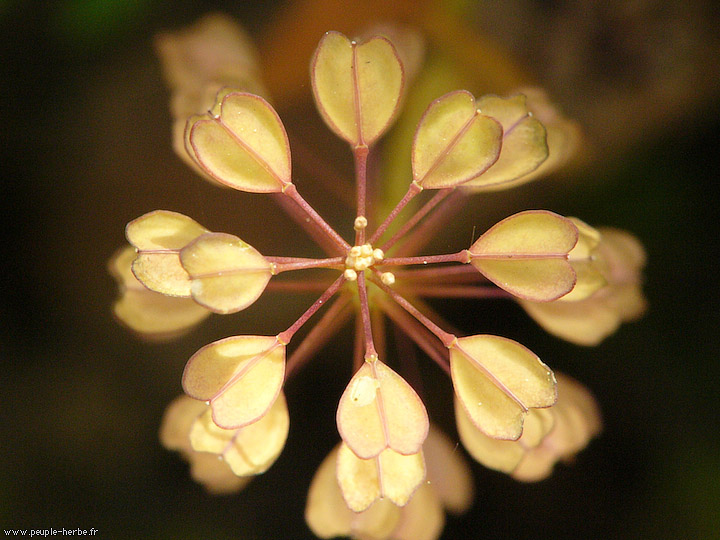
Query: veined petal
[248,450]
[357,86]
[243,144]
[328,516]
[453,142]
[388,475]
[497,454]
[151,314]
[206,469]
[241,376]
[379,410]
[526,254]
[227,274]
[524,144]
[497,380]
[159,236]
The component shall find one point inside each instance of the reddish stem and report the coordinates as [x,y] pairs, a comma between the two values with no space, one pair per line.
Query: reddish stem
[284,264]
[417,332]
[365,312]
[447,339]
[415,219]
[412,191]
[311,227]
[423,234]
[292,192]
[331,321]
[361,156]
[456,291]
[300,286]
[286,336]
[464,273]
[462,256]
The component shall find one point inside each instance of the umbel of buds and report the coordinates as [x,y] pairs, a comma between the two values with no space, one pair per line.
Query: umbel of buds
[393,474]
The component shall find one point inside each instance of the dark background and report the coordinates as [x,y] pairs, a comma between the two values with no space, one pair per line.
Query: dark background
[86,146]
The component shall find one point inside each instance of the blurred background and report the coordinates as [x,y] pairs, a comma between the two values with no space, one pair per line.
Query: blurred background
[86,144]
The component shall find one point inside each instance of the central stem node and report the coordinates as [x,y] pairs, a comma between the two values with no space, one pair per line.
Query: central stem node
[360,258]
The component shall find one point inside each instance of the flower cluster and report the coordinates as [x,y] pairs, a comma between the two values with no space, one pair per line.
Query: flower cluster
[393,473]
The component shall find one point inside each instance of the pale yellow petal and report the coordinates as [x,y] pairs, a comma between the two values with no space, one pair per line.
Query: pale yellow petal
[585,261]
[526,254]
[524,144]
[162,273]
[175,426]
[576,419]
[214,474]
[389,475]
[162,230]
[422,518]
[205,468]
[453,142]
[502,455]
[585,322]
[564,136]
[377,522]
[151,314]
[380,410]
[258,445]
[156,316]
[158,237]
[227,274]
[358,479]
[357,87]
[241,376]
[244,146]
[328,516]
[326,513]
[400,475]
[541,280]
[497,381]
[380,81]
[249,450]
[496,454]
[533,232]
[536,465]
